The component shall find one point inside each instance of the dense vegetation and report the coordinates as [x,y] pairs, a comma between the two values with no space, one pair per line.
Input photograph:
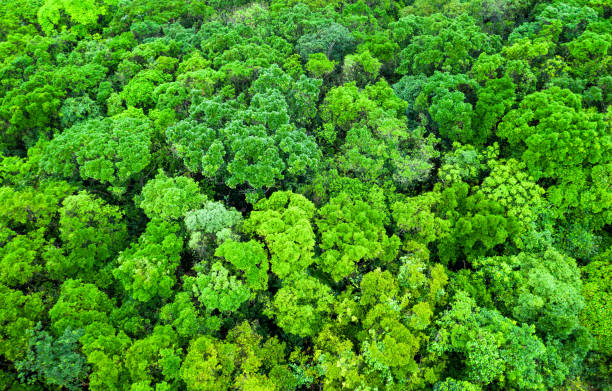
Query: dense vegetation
[317,195]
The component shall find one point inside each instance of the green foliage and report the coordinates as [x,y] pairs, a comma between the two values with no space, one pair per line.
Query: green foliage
[18,312]
[494,100]
[558,139]
[451,384]
[361,68]
[76,110]
[301,95]
[377,147]
[155,353]
[147,269]
[319,65]
[211,364]
[463,164]
[111,151]
[218,290]
[21,257]
[392,349]
[258,145]
[388,317]
[284,221]
[596,291]
[28,111]
[539,289]
[82,14]
[139,91]
[352,229]
[183,316]
[346,105]
[211,224]
[32,208]
[496,349]
[554,113]
[54,362]
[91,233]
[104,347]
[226,285]
[248,257]
[439,43]
[595,317]
[448,107]
[79,305]
[305,194]
[334,40]
[416,220]
[301,305]
[169,198]
[477,224]
[508,185]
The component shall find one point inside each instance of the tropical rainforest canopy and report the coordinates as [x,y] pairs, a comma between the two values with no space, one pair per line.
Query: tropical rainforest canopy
[282,195]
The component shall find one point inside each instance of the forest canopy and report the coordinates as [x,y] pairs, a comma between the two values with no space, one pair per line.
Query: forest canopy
[301,195]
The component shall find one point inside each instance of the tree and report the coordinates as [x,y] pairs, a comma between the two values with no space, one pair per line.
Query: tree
[559,140]
[445,100]
[84,306]
[226,285]
[18,312]
[387,318]
[184,317]
[596,291]
[169,198]
[439,43]
[456,385]
[78,306]
[345,106]
[391,345]
[494,100]
[92,233]
[110,150]
[510,186]
[463,164]
[154,359]
[477,224]
[211,225]
[539,289]
[79,109]
[27,208]
[147,269]
[352,229]
[319,65]
[284,221]
[217,289]
[301,305]
[249,258]
[416,220]
[301,95]
[29,111]
[254,145]
[375,143]
[21,257]
[83,15]
[138,92]
[244,361]
[208,365]
[497,351]
[334,40]
[53,362]
[104,347]
[361,68]
[559,121]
